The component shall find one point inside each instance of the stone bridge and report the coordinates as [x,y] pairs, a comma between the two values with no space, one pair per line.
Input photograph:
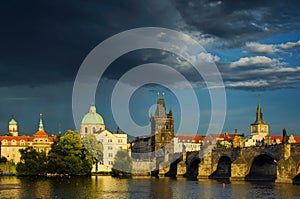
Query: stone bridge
[280,163]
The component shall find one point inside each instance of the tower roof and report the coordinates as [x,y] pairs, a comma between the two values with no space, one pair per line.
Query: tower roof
[41,126]
[160,108]
[12,121]
[259,115]
[92,117]
[41,132]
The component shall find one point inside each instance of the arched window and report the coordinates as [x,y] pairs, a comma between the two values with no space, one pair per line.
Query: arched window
[4,142]
[86,129]
[13,142]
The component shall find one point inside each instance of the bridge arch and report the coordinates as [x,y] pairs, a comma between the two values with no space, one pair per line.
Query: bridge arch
[262,167]
[296,179]
[298,168]
[223,169]
[192,169]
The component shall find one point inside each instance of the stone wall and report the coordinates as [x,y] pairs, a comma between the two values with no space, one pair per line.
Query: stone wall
[143,168]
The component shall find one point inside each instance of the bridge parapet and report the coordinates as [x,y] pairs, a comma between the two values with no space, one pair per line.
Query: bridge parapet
[274,151]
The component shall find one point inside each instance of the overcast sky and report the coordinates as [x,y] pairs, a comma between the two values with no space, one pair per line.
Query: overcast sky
[255,45]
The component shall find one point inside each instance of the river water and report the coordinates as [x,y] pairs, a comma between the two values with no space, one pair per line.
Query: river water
[139,187]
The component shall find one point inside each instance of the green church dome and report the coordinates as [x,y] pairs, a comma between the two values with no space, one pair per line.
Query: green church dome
[92,117]
[12,121]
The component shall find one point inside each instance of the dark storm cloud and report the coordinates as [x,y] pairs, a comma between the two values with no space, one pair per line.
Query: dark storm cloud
[46,41]
[236,22]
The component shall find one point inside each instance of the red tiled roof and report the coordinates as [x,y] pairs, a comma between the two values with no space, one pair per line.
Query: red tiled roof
[297,139]
[17,138]
[274,137]
[195,138]
[41,134]
[225,136]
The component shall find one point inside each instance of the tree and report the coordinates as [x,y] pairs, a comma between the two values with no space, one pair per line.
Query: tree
[32,162]
[94,147]
[68,156]
[122,164]
[3,159]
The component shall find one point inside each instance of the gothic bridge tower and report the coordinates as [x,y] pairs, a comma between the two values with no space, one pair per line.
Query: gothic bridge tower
[162,128]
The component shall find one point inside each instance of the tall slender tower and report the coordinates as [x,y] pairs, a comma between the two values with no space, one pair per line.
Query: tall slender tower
[13,126]
[259,127]
[162,128]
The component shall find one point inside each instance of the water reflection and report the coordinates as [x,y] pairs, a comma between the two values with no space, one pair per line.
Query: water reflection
[139,187]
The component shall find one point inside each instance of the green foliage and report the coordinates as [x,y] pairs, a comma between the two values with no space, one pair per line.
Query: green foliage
[32,162]
[3,160]
[8,167]
[122,164]
[68,156]
[93,146]
[219,145]
[9,134]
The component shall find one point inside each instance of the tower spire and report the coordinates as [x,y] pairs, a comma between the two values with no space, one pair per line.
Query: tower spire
[41,126]
[259,114]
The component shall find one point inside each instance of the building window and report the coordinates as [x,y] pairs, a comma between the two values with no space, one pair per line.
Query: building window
[94,129]
[13,142]
[22,143]
[86,129]
[109,140]
[110,162]
[120,140]
[110,155]
[4,142]
[110,147]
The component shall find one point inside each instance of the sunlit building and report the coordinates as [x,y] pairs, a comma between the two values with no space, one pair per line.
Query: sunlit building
[12,142]
[41,140]
[187,143]
[93,123]
[112,143]
[259,129]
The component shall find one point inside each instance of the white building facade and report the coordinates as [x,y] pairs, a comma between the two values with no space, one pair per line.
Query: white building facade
[93,123]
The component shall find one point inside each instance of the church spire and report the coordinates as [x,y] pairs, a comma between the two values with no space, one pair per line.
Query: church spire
[259,114]
[41,126]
